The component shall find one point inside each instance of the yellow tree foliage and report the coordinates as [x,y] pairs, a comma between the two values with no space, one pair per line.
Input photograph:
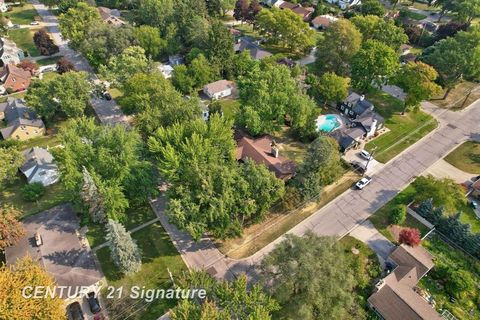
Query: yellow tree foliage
[11,230]
[13,305]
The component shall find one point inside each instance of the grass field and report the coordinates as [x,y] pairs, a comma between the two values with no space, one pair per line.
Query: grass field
[48,61]
[24,40]
[414,15]
[460,97]
[22,14]
[12,195]
[259,235]
[466,157]
[405,130]
[136,215]
[159,256]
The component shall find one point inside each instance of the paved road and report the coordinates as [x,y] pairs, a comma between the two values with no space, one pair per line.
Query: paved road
[353,207]
[108,112]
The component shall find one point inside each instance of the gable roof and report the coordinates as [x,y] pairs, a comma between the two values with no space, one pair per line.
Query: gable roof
[63,253]
[219,86]
[18,114]
[15,78]
[256,52]
[37,158]
[259,150]
[396,299]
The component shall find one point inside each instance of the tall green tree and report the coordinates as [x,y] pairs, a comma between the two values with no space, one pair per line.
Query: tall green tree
[66,95]
[124,251]
[225,300]
[219,47]
[149,39]
[122,67]
[75,23]
[329,87]
[340,43]
[155,13]
[91,197]
[371,7]
[443,192]
[376,28]
[321,166]
[11,158]
[287,29]
[288,274]
[373,65]
[417,81]
[11,230]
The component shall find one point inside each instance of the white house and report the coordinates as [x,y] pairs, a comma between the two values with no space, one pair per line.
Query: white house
[219,89]
[39,167]
[3,6]
[345,4]
[10,53]
[166,70]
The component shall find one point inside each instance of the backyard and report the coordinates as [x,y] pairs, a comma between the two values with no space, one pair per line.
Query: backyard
[466,157]
[405,129]
[24,40]
[22,14]
[230,108]
[159,257]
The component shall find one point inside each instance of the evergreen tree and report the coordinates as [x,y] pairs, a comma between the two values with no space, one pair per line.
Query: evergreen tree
[124,251]
[90,195]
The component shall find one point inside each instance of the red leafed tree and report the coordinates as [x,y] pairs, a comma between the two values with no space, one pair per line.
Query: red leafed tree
[28,65]
[409,236]
[64,65]
[11,230]
[241,10]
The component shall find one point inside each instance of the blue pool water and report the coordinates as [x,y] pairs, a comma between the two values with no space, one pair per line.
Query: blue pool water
[328,123]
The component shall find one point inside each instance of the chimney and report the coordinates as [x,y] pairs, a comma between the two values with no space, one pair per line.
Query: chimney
[274,151]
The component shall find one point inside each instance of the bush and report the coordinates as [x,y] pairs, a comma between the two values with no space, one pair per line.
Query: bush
[64,65]
[291,199]
[398,214]
[32,192]
[409,236]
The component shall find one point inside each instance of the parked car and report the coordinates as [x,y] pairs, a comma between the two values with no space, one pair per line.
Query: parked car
[363,183]
[358,167]
[75,311]
[365,154]
[93,303]
[474,204]
[107,95]
[34,23]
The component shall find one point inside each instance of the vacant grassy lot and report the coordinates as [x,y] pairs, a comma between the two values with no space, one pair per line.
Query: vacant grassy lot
[259,235]
[465,305]
[158,256]
[12,195]
[466,157]
[135,216]
[22,14]
[24,40]
[460,97]
[405,130]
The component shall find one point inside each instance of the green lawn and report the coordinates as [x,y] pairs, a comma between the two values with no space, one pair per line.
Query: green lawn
[158,256]
[434,282]
[12,194]
[22,14]
[381,218]
[466,157]
[18,95]
[405,130]
[414,15]
[136,215]
[24,40]
[48,61]
[230,108]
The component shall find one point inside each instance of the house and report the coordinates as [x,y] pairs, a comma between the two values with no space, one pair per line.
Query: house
[304,12]
[39,167]
[176,59]
[166,70]
[264,151]
[14,79]
[111,16]
[3,6]
[322,22]
[395,297]
[219,89]
[22,123]
[246,43]
[10,53]
[345,4]
[62,249]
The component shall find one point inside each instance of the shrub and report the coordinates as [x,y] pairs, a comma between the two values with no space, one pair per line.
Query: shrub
[28,65]
[64,65]
[409,236]
[291,199]
[398,214]
[32,192]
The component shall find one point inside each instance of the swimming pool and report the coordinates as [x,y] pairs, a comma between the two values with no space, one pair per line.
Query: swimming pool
[328,123]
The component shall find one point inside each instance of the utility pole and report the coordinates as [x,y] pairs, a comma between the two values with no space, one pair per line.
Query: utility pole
[368,160]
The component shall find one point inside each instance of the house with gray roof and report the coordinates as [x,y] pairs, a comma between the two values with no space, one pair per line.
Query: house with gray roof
[22,122]
[39,167]
[246,43]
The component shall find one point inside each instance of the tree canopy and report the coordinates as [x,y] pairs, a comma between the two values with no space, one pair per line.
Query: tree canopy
[310,278]
[11,230]
[376,28]
[444,192]
[329,87]
[11,158]
[122,67]
[75,23]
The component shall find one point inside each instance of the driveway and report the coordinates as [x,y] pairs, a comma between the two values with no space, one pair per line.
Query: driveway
[442,169]
[353,156]
[310,58]
[367,233]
